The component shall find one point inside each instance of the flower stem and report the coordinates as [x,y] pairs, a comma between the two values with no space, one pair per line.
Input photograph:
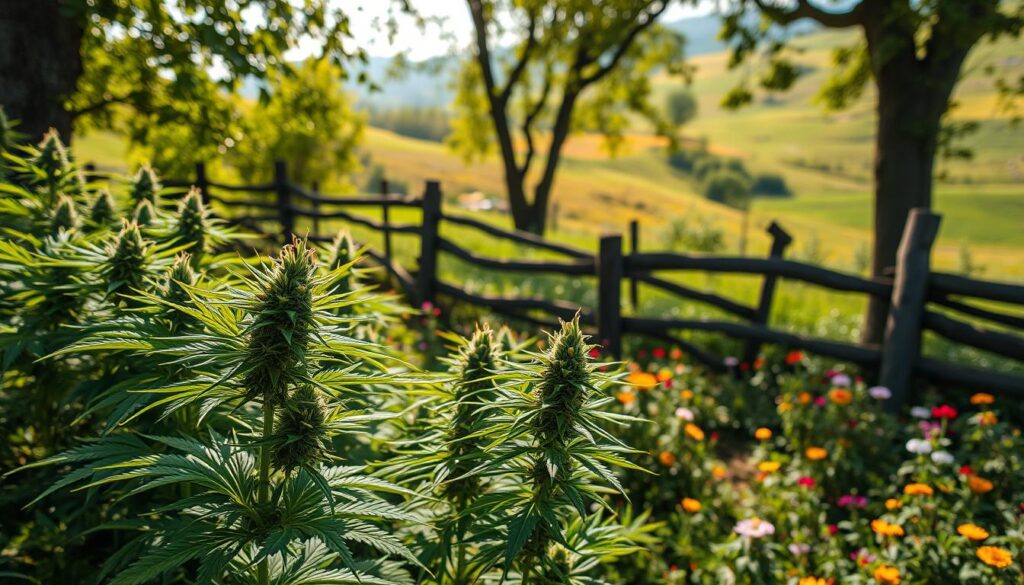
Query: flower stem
[263,495]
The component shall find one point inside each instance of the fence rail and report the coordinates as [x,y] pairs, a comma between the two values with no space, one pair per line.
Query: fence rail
[912,292]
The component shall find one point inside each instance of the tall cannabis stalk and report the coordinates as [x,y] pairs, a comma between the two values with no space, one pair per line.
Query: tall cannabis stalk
[145,186]
[125,268]
[191,225]
[103,211]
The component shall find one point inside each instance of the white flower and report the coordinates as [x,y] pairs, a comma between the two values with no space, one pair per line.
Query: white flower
[880,392]
[684,413]
[799,548]
[841,380]
[920,412]
[919,446]
[942,457]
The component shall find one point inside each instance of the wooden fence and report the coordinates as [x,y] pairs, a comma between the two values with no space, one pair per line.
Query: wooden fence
[912,292]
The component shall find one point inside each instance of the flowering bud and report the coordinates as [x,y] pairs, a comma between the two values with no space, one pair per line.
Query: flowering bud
[102,210]
[301,433]
[52,156]
[126,264]
[145,186]
[65,216]
[144,213]
[191,226]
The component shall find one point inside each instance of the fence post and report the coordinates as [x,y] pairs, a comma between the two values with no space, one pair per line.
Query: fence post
[634,248]
[386,221]
[315,186]
[609,294]
[426,276]
[202,183]
[284,201]
[901,345]
[780,241]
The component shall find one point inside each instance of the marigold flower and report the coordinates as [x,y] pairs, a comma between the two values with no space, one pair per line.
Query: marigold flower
[841,396]
[815,453]
[979,485]
[626,397]
[758,363]
[804,398]
[694,432]
[686,394]
[887,575]
[893,504]
[642,380]
[994,556]
[982,398]
[987,419]
[972,532]
[884,528]
[666,458]
[785,406]
[719,472]
[769,466]
[812,581]
[763,434]
[664,374]
[691,505]
[918,489]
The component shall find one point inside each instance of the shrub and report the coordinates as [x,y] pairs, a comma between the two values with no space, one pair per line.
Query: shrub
[726,186]
[771,185]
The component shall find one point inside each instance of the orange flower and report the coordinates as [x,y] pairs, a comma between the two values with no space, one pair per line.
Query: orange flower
[804,398]
[785,406]
[994,556]
[626,397]
[642,380]
[987,419]
[666,458]
[918,489]
[982,398]
[691,505]
[883,528]
[812,581]
[979,485]
[972,532]
[841,396]
[893,504]
[768,466]
[763,434]
[815,453]
[694,432]
[686,394]
[719,472]
[664,374]
[887,575]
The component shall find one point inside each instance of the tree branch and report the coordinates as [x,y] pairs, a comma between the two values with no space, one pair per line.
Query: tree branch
[624,46]
[531,117]
[99,105]
[524,60]
[804,9]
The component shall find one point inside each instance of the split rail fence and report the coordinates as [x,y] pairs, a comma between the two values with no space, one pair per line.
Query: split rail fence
[913,292]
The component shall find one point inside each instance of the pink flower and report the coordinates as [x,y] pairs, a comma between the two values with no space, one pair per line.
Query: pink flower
[820,401]
[833,529]
[754,528]
[806,481]
[852,501]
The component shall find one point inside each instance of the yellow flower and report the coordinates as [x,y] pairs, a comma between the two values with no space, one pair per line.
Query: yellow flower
[918,489]
[768,466]
[691,505]
[785,406]
[812,581]
[666,458]
[994,556]
[841,396]
[719,472]
[883,528]
[815,453]
[804,398]
[763,434]
[979,485]
[686,394]
[626,397]
[972,532]
[987,419]
[893,504]
[642,380]
[664,374]
[982,398]
[694,432]
[887,575]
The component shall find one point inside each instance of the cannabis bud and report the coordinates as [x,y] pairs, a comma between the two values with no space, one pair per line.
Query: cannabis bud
[191,225]
[301,433]
[145,186]
[180,273]
[506,339]
[283,322]
[564,386]
[144,213]
[342,253]
[65,216]
[126,264]
[102,211]
[52,157]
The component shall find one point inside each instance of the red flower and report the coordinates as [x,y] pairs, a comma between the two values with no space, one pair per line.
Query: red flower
[595,352]
[793,357]
[806,481]
[966,470]
[714,435]
[744,366]
[658,352]
[641,354]
[833,529]
[945,411]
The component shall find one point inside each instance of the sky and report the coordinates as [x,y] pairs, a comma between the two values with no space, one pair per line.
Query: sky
[434,40]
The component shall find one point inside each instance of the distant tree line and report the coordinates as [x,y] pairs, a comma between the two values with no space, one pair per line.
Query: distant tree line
[432,124]
[727,180]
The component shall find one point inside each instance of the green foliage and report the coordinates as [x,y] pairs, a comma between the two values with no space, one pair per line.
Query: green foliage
[727,186]
[191,224]
[680,107]
[700,236]
[145,186]
[424,123]
[308,122]
[102,212]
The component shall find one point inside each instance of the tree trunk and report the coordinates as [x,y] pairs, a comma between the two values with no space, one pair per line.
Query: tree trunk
[40,63]
[559,134]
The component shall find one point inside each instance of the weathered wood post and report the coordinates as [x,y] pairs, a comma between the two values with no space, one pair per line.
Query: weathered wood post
[202,183]
[316,207]
[426,276]
[284,201]
[386,220]
[901,345]
[609,294]
[780,241]
[634,247]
